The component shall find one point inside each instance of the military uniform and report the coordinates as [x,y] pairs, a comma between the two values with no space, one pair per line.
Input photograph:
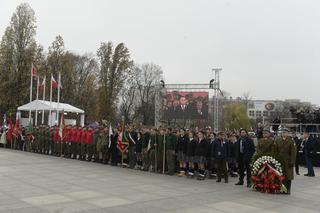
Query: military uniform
[132,136]
[146,145]
[170,147]
[287,152]
[267,146]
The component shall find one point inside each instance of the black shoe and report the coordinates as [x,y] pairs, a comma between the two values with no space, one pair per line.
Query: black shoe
[312,175]
[219,180]
[226,181]
[239,184]
[249,185]
[297,173]
[306,174]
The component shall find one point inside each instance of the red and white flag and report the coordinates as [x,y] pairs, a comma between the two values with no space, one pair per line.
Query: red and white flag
[54,83]
[33,71]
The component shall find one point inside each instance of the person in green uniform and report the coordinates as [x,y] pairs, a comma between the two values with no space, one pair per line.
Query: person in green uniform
[146,145]
[159,149]
[170,147]
[151,153]
[287,152]
[267,145]
[104,145]
[51,141]
[36,140]
[93,150]
[47,140]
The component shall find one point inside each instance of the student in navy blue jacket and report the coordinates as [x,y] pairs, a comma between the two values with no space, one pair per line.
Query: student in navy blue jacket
[200,154]
[220,152]
[245,150]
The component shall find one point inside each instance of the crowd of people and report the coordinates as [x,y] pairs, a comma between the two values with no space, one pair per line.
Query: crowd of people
[185,152]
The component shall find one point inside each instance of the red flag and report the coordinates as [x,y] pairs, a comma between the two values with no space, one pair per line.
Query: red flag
[54,83]
[122,143]
[41,86]
[33,71]
[10,129]
[16,130]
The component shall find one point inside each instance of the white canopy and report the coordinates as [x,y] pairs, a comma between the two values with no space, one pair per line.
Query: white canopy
[45,105]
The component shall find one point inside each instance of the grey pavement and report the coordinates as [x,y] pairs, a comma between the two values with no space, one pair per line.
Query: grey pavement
[34,183]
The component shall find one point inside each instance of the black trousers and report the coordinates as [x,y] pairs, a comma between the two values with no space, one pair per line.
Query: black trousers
[244,165]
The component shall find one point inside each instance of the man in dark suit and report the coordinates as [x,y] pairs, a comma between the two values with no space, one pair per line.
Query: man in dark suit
[245,151]
[183,110]
[308,153]
[200,112]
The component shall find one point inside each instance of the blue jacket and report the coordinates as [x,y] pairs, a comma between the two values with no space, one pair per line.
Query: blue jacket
[248,149]
[220,149]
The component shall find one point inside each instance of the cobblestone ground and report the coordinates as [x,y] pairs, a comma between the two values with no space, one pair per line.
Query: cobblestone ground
[37,183]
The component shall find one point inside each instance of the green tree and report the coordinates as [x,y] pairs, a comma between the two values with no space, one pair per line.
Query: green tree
[235,116]
[17,52]
[115,64]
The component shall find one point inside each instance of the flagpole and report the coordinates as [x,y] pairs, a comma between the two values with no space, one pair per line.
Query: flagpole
[164,154]
[59,83]
[30,91]
[36,117]
[44,97]
[50,117]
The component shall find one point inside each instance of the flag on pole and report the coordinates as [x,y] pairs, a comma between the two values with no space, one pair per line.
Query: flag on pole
[110,135]
[123,142]
[42,85]
[16,130]
[54,83]
[33,71]
[62,126]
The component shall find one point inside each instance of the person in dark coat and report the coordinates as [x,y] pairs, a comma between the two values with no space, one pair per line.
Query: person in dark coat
[181,151]
[308,153]
[191,147]
[245,151]
[220,152]
[232,162]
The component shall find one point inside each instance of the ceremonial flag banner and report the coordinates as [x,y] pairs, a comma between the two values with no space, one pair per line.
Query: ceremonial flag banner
[123,142]
[110,135]
[16,130]
[62,126]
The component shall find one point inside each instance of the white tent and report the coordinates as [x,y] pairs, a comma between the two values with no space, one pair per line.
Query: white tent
[40,105]
[45,105]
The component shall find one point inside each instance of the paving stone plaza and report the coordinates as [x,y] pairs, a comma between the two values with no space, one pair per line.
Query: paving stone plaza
[37,183]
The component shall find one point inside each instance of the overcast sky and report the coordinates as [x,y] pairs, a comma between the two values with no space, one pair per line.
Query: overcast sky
[269,48]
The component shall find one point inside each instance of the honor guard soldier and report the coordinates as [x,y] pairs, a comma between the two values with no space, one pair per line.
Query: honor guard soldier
[132,136]
[267,145]
[287,152]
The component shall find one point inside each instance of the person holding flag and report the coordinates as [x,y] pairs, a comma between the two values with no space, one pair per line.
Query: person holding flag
[123,142]
[132,146]
[62,133]
[16,131]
